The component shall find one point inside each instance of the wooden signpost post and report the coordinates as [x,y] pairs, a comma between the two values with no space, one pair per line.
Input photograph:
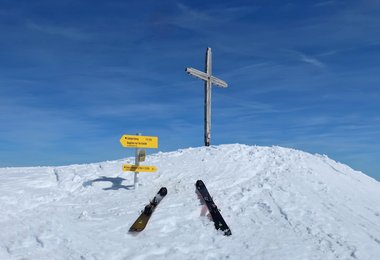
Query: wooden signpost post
[209,80]
[138,141]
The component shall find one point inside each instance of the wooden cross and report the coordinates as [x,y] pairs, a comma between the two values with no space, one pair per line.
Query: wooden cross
[209,79]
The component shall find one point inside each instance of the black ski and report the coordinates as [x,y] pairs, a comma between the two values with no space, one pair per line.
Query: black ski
[143,219]
[219,222]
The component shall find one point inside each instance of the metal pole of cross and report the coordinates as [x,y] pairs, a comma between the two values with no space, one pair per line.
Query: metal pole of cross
[138,141]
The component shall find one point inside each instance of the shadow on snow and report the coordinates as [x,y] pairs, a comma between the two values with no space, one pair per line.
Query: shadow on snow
[116,183]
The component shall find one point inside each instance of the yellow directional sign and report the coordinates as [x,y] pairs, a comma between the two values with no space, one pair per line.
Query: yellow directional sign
[139,141]
[138,168]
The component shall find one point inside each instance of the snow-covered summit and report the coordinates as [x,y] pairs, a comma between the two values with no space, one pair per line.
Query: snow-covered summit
[279,203]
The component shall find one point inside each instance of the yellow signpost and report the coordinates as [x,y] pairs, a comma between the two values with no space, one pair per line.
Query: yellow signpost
[139,141]
[138,168]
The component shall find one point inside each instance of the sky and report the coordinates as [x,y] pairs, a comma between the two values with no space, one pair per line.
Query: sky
[77,75]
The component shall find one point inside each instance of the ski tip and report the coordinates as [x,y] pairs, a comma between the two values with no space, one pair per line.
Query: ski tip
[163,191]
[134,230]
[199,183]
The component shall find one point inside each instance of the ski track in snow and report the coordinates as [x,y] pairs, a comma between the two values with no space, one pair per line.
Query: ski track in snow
[279,203]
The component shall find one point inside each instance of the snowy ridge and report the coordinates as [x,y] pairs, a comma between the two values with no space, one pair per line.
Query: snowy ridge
[279,203]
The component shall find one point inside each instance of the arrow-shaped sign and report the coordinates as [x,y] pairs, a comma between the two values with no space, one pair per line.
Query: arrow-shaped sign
[138,168]
[139,141]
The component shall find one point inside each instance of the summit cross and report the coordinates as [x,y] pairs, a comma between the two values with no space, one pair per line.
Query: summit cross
[209,80]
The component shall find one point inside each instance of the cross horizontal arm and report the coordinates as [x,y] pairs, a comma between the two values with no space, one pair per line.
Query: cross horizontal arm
[197,73]
[205,77]
[218,82]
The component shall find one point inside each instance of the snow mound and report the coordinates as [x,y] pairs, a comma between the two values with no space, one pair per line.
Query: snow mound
[279,203]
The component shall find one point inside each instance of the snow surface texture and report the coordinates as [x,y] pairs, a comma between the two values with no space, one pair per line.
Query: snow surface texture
[279,203]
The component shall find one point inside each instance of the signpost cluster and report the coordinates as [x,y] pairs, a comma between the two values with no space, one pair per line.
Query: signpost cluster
[140,143]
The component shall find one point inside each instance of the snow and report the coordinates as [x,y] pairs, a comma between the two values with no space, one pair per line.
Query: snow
[279,203]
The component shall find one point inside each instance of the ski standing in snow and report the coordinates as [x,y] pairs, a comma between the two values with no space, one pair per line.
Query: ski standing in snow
[143,219]
[216,217]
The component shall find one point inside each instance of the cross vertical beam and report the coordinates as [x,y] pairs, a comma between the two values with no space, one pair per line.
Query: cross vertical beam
[207,106]
[209,80]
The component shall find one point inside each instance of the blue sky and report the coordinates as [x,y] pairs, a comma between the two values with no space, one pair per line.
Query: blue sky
[76,75]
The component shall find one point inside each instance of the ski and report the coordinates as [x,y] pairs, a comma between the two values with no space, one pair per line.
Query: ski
[143,219]
[217,218]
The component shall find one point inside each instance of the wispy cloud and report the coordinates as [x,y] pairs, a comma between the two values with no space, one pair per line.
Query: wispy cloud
[41,126]
[136,110]
[306,58]
[203,20]
[312,61]
[324,3]
[67,32]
